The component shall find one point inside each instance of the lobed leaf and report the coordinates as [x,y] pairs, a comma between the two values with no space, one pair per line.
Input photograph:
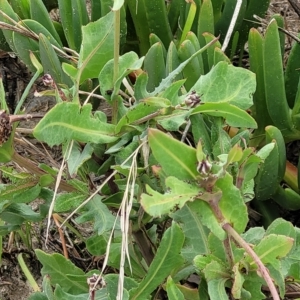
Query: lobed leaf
[157,204]
[67,121]
[98,213]
[272,247]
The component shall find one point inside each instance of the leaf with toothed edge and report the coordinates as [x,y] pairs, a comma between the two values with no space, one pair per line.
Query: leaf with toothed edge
[68,121]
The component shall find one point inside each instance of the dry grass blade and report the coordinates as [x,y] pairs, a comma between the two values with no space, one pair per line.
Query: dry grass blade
[232,24]
[57,183]
[125,213]
[127,207]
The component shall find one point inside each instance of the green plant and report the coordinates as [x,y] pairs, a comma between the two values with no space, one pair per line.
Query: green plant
[178,181]
[275,110]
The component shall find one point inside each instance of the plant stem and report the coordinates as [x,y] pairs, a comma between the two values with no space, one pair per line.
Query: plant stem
[228,251]
[31,167]
[27,273]
[262,269]
[26,92]
[116,65]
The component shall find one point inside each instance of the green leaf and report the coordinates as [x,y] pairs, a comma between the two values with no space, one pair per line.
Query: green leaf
[38,296]
[51,62]
[13,191]
[78,156]
[61,294]
[134,270]
[17,213]
[266,181]
[262,117]
[96,245]
[217,250]
[99,213]
[154,65]
[173,121]
[232,204]
[237,286]
[200,132]
[127,63]
[191,225]
[172,59]
[272,247]
[47,288]
[292,74]
[253,284]
[279,278]
[282,227]
[140,113]
[277,105]
[216,289]
[59,269]
[174,157]
[179,193]
[24,45]
[21,8]
[207,217]
[73,15]
[8,34]
[192,70]
[166,82]
[173,291]
[68,201]
[28,195]
[215,270]
[97,46]
[40,14]
[167,258]
[233,115]
[235,154]
[172,91]
[226,83]
[254,235]
[67,121]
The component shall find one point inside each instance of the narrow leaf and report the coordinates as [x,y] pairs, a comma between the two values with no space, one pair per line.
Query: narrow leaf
[167,258]
[174,157]
[233,115]
[58,268]
[97,46]
[173,291]
[232,204]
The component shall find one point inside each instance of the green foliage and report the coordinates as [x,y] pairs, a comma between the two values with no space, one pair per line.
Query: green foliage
[172,184]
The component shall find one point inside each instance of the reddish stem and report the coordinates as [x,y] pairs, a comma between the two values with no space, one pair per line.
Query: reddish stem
[262,269]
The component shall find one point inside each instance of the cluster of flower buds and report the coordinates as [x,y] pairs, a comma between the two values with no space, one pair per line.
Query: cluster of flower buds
[192,100]
[204,167]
